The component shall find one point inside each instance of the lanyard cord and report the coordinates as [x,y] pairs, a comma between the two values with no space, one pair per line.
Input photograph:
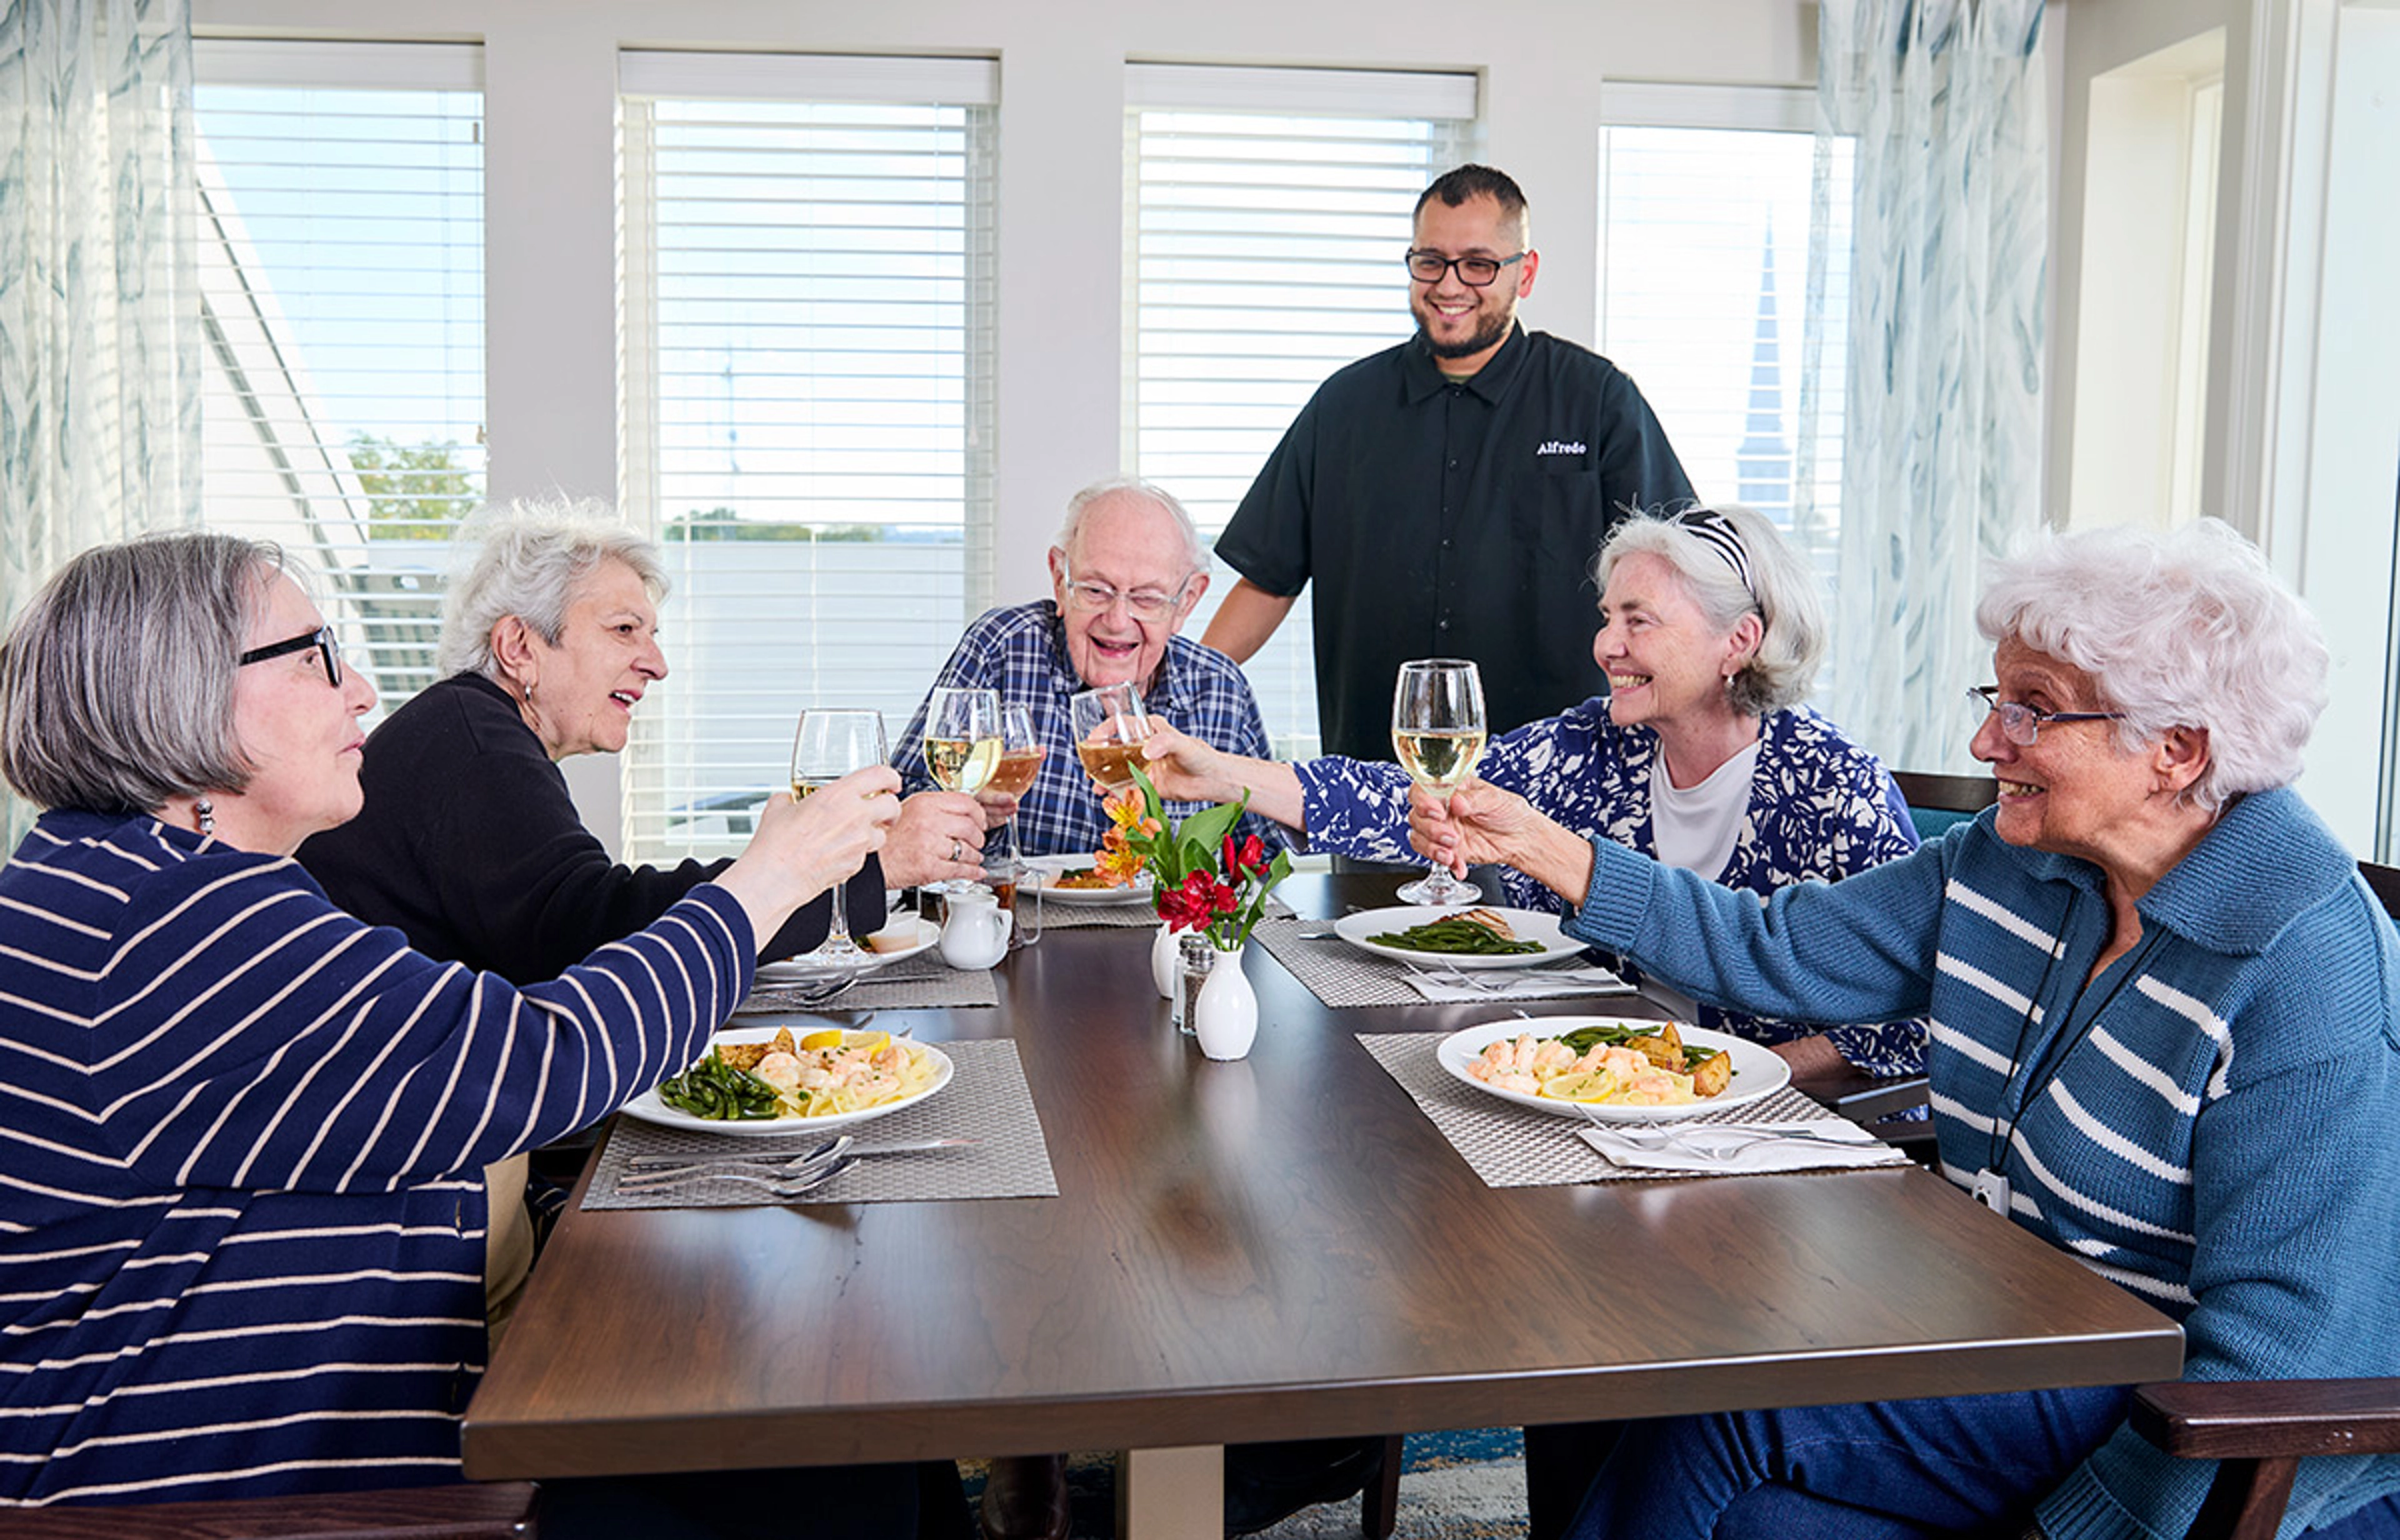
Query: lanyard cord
[2046,1068]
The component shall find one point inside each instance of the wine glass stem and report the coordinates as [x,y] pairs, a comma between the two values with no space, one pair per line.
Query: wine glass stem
[837,926]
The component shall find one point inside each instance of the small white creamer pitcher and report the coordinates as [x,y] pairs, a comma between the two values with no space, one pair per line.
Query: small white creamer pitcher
[976,934]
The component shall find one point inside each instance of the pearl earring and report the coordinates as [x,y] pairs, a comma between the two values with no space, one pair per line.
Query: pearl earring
[206,811]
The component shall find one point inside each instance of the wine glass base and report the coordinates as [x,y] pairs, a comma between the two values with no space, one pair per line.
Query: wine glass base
[835,950]
[1438,887]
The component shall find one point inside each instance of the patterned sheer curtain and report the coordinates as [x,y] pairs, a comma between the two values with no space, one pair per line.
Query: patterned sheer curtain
[100,382]
[1943,102]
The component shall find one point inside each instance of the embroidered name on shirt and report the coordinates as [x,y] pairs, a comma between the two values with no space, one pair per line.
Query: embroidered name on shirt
[1573,446]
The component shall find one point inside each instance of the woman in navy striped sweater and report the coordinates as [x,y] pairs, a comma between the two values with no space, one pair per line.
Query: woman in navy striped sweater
[243,1136]
[2164,1035]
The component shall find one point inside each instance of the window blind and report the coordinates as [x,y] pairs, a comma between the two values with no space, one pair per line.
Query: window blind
[1266,214]
[1724,291]
[806,382]
[340,236]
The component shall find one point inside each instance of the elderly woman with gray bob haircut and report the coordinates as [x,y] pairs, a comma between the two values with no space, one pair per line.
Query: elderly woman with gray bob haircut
[244,1137]
[2169,1045]
[1711,631]
[470,842]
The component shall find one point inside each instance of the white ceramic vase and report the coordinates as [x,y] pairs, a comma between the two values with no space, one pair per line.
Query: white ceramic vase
[1227,1016]
[1164,965]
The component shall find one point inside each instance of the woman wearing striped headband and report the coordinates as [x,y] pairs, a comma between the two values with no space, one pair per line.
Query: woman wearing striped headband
[1701,754]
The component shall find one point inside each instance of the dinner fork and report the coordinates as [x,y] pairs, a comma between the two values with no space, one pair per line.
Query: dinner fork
[783,1184]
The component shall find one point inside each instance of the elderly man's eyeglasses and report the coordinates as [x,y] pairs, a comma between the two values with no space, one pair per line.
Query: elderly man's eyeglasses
[1143,604]
[2021,724]
[1476,272]
[322,639]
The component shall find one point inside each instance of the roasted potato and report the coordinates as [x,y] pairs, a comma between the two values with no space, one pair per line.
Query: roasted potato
[1710,1075]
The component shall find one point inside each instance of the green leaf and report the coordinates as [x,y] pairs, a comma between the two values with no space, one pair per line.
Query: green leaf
[1207,828]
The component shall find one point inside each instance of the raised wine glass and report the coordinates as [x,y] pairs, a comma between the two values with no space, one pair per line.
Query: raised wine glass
[1020,761]
[962,746]
[1437,729]
[827,746]
[1109,726]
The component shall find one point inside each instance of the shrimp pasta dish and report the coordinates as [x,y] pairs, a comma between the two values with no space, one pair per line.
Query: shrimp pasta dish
[818,1075]
[1613,1067]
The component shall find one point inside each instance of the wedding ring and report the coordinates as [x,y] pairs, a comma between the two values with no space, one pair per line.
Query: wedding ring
[957,850]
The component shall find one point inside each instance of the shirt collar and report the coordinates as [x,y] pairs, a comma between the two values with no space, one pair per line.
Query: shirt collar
[1169,695]
[1422,374]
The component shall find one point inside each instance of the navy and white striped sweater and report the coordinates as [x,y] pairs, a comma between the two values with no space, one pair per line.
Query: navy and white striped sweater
[241,1148]
[2219,1132]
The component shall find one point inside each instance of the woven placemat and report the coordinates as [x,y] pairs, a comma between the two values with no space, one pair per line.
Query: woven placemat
[1341,975]
[922,980]
[987,1099]
[1512,1145]
[1057,915]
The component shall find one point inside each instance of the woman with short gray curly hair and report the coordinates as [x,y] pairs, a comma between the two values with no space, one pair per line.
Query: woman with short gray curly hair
[2188,630]
[471,844]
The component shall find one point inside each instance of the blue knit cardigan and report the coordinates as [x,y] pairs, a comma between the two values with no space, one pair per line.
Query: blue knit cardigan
[2213,1119]
[241,1148]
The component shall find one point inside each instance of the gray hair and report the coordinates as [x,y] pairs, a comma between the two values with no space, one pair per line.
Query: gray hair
[2180,628]
[1782,668]
[117,680]
[1196,551]
[525,558]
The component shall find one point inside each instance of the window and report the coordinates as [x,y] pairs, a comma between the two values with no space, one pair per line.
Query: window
[340,258]
[807,392]
[1265,214]
[1723,292]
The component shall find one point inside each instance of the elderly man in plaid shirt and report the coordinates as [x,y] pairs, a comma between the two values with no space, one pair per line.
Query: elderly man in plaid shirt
[1126,570]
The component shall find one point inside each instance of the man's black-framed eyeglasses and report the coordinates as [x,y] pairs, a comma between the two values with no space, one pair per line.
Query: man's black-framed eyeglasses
[322,639]
[1476,272]
[2021,724]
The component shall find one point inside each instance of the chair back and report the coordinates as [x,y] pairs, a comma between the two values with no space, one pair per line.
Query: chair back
[2384,881]
[1937,801]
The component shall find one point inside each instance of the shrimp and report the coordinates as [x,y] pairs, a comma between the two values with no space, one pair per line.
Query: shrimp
[780,1071]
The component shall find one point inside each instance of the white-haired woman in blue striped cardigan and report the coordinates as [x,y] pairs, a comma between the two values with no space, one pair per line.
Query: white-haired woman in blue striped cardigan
[243,1136]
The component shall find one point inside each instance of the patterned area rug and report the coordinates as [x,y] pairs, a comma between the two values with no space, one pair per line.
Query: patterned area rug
[1467,1485]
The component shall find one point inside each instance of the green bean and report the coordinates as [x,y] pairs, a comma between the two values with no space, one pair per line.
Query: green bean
[1455,935]
[716,1090]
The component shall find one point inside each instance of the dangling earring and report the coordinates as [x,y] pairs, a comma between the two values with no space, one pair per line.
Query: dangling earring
[206,811]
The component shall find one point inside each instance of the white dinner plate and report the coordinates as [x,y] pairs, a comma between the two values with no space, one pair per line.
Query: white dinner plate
[1756,1072]
[1357,928]
[649,1108]
[805,969]
[1047,869]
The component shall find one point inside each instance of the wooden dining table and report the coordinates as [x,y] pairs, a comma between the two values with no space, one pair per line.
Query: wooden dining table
[1281,1247]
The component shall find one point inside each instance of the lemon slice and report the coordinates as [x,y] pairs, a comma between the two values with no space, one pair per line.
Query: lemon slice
[1591,1085]
[829,1038]
[874,1042]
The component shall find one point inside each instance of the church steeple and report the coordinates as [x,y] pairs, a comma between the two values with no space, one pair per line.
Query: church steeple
[1764,461]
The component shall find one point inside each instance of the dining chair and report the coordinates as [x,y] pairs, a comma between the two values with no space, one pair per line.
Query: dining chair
[1936,801]
[2258,1431]
[473,1510]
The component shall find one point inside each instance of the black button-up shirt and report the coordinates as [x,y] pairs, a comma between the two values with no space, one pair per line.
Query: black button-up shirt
[1453,520]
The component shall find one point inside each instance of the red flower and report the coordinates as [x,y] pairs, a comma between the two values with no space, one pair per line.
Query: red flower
[1244,857]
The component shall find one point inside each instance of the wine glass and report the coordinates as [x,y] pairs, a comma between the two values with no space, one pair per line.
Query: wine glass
[827,746]
[1020,760]
[962,746]
[1109,726]
[1437,729]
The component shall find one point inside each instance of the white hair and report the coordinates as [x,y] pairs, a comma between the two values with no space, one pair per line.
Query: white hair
[1782,669]
[2185,628]
[525,558]
[1196,551]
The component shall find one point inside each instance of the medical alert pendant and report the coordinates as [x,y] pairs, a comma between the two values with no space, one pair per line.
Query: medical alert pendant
[1992,1190]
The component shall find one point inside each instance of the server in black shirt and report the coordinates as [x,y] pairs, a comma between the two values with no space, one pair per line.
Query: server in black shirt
[1447,497]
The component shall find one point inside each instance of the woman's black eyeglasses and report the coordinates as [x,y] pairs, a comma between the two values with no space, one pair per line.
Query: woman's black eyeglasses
[322,639]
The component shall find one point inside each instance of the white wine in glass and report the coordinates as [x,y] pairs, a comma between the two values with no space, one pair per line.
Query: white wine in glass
[827,746]
[1020,761]
[961,746]
[1438,730]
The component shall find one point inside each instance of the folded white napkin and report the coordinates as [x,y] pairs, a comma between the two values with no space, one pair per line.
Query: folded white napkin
[1519,984]
[1819,1144]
